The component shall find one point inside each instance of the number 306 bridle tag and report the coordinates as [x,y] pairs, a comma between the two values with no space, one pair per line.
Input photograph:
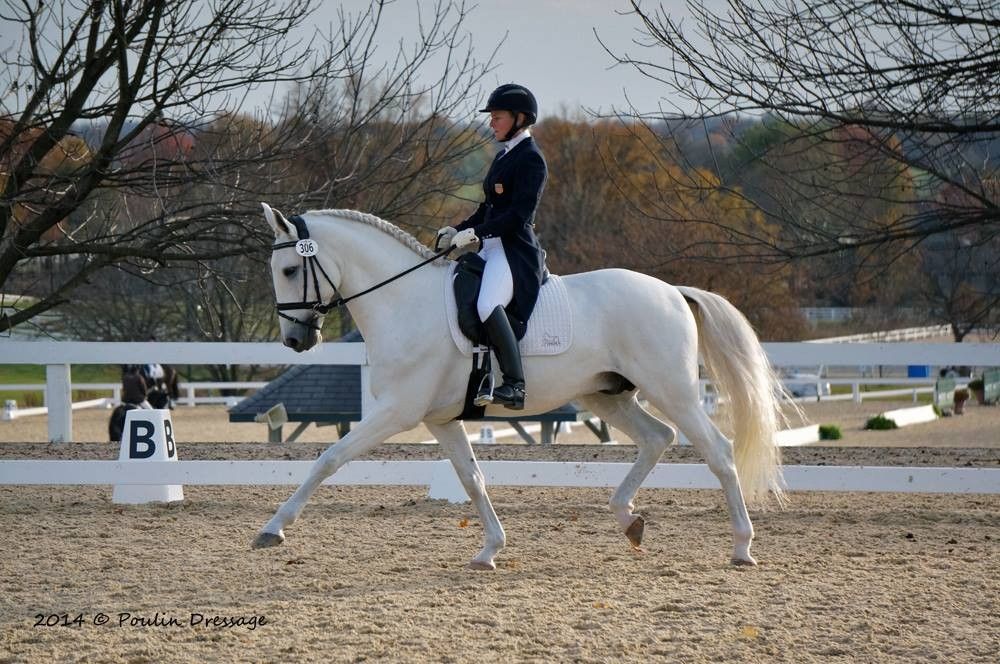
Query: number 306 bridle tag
[306,248]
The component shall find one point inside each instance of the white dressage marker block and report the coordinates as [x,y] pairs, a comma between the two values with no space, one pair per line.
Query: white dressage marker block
[148,435]
[797,437]
[907,416]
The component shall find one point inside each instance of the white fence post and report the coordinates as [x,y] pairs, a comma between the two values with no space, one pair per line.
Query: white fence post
[58,398]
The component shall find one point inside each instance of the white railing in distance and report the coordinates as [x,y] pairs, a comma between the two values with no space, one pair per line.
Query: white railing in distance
[58,356]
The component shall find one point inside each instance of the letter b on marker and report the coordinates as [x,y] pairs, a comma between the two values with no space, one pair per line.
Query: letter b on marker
[142,438]
[141,443]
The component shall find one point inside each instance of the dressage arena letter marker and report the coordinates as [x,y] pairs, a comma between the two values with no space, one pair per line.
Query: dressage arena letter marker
[148,435]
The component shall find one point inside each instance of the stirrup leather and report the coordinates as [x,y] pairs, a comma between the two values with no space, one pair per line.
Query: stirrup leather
[481,362]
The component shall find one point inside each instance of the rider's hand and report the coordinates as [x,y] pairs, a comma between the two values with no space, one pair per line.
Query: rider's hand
[464,238]
[444,237]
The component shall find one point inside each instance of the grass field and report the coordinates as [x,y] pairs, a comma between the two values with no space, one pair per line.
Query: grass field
[35,374]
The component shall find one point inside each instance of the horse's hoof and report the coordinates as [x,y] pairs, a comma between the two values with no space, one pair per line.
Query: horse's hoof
[742,562]
[487,565]
[267,540]
[634,531]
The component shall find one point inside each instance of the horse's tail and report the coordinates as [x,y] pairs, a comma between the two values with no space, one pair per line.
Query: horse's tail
[745,381]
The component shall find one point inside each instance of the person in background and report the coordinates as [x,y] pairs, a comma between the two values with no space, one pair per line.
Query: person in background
[134,389]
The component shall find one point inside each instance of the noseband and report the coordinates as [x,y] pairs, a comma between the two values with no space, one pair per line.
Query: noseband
[307,249]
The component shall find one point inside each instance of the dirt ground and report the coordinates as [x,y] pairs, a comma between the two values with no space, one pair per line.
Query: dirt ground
[377,573]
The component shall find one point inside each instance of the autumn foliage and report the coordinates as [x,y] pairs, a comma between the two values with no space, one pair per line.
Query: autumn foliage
[619,195]
[56,169]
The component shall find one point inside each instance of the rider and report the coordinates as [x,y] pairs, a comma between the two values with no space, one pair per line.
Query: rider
[134,389]
[504,225]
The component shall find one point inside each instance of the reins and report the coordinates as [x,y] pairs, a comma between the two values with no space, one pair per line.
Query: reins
[307,249]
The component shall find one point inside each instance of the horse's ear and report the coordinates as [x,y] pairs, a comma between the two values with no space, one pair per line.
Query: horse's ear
[276,220]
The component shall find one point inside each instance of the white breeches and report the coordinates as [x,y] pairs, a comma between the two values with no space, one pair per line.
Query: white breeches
[498,283]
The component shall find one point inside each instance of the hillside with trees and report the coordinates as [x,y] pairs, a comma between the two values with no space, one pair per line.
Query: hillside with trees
[866,131]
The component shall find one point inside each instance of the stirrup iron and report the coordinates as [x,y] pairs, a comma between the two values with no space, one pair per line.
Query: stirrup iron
[484,397]
[484,393]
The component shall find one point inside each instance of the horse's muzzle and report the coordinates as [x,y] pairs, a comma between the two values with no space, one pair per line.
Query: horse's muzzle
[312,338]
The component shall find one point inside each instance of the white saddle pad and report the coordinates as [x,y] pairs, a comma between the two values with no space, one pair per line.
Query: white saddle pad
[550,328]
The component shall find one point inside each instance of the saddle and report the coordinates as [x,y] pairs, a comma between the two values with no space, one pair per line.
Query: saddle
[549,332]
[467,281]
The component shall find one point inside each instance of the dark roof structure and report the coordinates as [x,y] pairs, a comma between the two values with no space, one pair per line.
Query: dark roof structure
[320,393]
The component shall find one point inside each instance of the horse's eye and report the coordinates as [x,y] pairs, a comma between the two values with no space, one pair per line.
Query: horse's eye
[290,271]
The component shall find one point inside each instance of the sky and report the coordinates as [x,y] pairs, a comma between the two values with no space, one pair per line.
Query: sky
[547,45]
[550,47]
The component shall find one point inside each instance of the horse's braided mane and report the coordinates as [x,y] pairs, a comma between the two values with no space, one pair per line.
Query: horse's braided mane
[386,227]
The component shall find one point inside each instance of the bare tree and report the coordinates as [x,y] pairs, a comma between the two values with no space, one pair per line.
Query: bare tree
[963,283]
[172,171]
[893,101]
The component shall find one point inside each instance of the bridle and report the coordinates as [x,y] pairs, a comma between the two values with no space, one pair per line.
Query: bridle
[311,269]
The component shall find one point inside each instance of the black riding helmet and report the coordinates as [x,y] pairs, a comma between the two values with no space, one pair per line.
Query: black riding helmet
[516,99]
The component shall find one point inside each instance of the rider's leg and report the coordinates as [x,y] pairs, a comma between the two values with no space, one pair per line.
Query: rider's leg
[511,393]
[497,288]
[496,292]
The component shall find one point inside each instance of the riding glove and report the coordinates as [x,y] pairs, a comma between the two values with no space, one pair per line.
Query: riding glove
[464,238]
[444,237]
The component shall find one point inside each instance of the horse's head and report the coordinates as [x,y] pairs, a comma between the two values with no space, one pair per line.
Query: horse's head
[301,283]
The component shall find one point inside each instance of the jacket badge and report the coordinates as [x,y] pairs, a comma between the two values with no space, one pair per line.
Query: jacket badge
[498,187]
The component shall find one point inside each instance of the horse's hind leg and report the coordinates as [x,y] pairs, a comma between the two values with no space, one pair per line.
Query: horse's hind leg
[651,436]
[369,433]
[455,443]
[717,450]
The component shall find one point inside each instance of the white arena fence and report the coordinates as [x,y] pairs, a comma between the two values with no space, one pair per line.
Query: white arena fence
[198,393]
[190,392]
[443,483]
[58,356]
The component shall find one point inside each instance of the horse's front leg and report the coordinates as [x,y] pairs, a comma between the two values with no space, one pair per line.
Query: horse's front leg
[455,442]
[369,433]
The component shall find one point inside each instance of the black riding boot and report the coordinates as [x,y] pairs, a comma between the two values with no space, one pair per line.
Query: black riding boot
[511,393]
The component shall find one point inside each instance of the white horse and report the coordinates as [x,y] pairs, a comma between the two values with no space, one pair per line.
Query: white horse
[628,325]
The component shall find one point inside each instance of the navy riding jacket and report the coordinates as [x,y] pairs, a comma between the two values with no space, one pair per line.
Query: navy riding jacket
[513,187]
